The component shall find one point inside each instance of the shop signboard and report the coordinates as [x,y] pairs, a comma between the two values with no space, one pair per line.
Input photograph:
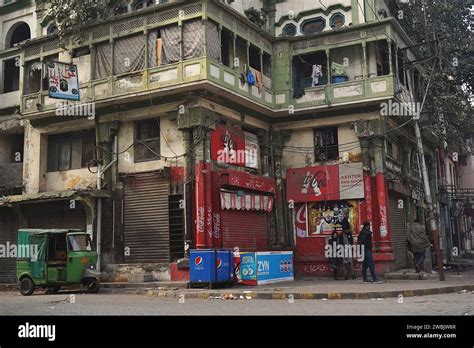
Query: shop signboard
[266,267]
[63,81]
[231,145]
[325,183]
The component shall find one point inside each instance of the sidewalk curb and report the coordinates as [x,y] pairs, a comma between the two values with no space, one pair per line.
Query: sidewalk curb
[259,295]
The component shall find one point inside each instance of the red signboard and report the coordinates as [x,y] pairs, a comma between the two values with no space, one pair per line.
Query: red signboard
[228,145]
[325,183]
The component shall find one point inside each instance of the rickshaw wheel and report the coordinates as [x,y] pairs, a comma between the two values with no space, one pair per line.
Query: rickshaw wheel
[26,286]
[93,286]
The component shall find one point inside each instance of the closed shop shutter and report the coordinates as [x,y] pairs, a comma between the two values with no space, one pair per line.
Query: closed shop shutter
[398,232]
[146,218]
[8,233]
[247,230]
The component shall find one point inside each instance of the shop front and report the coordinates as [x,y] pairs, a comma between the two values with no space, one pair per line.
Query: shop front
[323,198]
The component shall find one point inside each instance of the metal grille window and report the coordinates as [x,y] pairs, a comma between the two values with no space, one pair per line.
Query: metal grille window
[147,136]
[326,144]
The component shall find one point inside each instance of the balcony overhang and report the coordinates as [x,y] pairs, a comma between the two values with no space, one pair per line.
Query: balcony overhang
[48,196]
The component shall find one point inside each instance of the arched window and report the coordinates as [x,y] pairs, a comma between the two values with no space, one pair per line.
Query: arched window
[52,28]
[18,33]
[289,30]
[337,21]
[313,25]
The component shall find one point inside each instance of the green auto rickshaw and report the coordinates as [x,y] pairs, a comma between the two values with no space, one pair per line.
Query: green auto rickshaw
[52,258]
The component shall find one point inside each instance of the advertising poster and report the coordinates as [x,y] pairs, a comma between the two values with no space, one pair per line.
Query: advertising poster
[63,81]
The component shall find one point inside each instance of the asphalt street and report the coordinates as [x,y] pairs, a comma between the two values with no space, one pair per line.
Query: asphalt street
[12,303]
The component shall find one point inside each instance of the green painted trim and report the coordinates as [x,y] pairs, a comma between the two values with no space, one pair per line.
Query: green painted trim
[311,12]
[14,6]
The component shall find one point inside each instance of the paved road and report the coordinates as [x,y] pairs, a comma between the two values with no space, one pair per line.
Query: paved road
[133,304]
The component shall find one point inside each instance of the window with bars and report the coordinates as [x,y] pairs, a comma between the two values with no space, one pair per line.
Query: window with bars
[326,144]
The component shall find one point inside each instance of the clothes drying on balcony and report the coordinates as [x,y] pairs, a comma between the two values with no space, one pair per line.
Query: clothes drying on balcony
[317,73]
[103,61]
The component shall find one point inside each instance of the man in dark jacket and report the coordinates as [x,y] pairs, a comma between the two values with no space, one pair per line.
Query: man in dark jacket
[365,240]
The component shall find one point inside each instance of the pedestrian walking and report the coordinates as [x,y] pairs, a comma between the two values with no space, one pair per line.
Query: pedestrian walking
[334,261]
[347,240]
[365,240]
[418,242]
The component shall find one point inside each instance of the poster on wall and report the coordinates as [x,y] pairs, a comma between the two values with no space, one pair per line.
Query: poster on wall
[325,183]
[322,218]
[63,81]
[231,145]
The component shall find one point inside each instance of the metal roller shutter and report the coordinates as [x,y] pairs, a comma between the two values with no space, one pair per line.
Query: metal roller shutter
[146,218]
[398,232]
[8,233]
[247,230]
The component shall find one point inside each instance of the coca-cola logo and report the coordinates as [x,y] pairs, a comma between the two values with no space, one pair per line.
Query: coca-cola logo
[314,181]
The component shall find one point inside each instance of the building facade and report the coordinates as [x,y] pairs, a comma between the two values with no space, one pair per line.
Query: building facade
[251,124]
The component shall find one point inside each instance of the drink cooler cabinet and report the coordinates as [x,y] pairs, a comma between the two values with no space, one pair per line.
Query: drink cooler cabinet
[211,267]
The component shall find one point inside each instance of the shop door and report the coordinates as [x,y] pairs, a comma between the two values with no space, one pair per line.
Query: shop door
[8,234]
[247,230]
[146,218]
[398,232]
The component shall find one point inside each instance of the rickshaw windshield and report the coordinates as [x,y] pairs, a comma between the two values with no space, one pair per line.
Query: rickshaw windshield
[79,242]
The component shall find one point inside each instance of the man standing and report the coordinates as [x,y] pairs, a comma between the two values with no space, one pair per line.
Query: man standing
[418,242]
[365,240]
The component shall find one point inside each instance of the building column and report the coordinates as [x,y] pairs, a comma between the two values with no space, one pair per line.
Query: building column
[382,199]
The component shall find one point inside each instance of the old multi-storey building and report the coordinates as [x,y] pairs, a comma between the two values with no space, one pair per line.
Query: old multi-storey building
[249,123]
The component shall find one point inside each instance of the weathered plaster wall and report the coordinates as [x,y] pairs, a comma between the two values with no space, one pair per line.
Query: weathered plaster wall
[174,139]
[69,179]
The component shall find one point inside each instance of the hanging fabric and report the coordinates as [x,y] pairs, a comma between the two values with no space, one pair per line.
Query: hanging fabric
[316,74]
[152,49]
[129,54]
[212,41]
[171,39]
[103,61]
[193,39]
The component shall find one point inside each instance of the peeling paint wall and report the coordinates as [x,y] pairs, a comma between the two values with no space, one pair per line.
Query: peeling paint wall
[305,138]
[174,139]
[34,159]
[69,179]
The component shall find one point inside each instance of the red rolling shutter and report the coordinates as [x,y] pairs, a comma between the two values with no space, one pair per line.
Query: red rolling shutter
[247,230]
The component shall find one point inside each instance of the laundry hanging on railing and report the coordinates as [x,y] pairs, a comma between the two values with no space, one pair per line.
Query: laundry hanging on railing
[246,201]
[316,74]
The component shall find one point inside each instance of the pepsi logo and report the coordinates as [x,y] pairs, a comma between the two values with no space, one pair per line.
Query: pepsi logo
[198,261]
[219,263]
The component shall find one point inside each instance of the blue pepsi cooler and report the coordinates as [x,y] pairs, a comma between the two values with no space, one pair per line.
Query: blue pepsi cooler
[210,266]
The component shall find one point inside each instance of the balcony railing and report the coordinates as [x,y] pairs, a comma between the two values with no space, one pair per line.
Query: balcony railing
[274,95]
